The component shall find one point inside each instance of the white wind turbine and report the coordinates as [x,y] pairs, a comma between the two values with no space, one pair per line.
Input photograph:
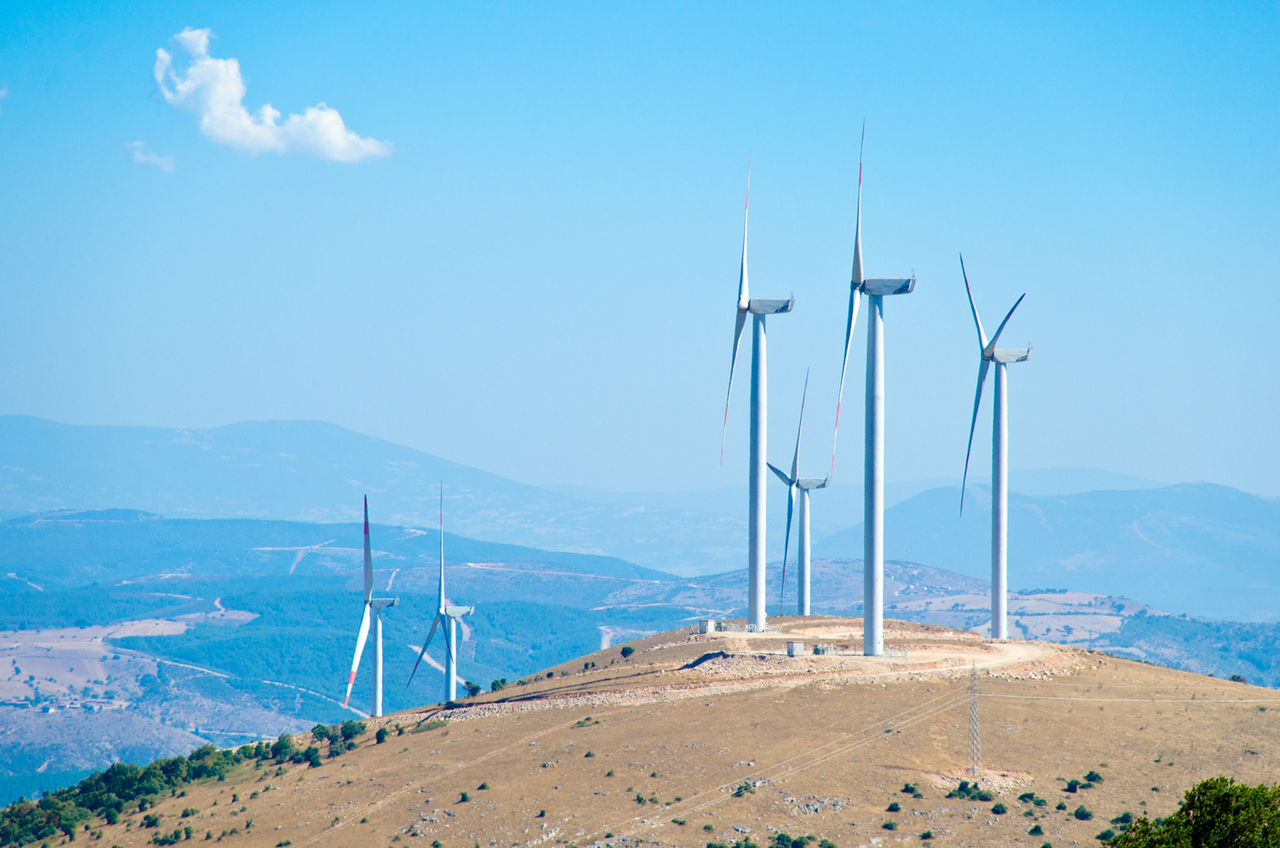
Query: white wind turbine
[373,608]
[803,485]
[758,308]
[447,615]
[873,469]
[989,353]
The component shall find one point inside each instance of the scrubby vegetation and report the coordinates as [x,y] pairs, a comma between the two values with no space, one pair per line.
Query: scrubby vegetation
[1215,812]
[971,792]
[106,794]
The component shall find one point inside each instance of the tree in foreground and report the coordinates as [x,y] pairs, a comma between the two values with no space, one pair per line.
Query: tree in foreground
[1215,813]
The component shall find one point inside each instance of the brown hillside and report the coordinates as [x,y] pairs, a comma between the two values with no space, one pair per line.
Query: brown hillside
[653,748]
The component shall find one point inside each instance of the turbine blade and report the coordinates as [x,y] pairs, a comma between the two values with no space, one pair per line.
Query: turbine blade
[441,605]
[368,555]
[855,300]
[857,227]
[991,346]
[786,546]
[744,287]
[733,362]
[977,401]
[744,303]
[781,476]
[423,653]
[355,663]
[982,337]
[795,459]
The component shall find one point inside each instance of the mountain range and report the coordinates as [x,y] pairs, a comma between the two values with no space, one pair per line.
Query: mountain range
[311,471]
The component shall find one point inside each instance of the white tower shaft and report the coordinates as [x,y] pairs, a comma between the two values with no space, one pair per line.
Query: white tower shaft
[802,552]
[1000,509]
[377,662]
[451,660]
[873,486]
[756,498]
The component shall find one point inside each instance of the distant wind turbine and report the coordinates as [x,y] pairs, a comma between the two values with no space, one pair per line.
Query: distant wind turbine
[372,611]
[873,468]
[989,353]
[447,615]
[795,483]
[758,309]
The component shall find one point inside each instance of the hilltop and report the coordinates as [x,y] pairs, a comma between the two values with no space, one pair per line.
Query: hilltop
[691,738]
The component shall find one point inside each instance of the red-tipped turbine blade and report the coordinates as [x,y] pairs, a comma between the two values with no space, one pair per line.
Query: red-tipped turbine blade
[368,555]
[355,662]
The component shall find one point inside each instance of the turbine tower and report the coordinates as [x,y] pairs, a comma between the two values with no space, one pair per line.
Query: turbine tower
[989,353]
[876,289]
[447,615]
[373,608]
[758,308]
[795,483]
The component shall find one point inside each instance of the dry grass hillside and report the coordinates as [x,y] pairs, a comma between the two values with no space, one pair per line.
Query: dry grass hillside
[699,738]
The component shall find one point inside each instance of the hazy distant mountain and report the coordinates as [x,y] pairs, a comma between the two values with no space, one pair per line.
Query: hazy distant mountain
[840,504]
[1199,549]
[313,471]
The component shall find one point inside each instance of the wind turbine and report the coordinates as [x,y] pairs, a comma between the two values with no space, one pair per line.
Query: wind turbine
[373,608]
[876,289]
[803,485]
[758,308]
[989,353]
[448,615]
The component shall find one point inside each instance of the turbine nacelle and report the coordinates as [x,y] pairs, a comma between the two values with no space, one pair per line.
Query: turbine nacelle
[1005,355]
[770,306]
[810,483]
[886,286]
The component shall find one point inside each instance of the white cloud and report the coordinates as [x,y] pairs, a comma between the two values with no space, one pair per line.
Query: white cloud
[4,92]
[145,157]
[215,90]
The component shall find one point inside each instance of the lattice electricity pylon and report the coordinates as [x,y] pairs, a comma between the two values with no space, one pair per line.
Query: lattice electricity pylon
[975,740]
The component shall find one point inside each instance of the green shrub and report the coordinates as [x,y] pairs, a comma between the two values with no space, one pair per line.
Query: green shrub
[1027,797]
[893,808]
[908,789]
[381,735]
[464,798]
[627,651]
[1036,831]
[1093,777]
[483,786]
[1073,785]
[1124,818]
[928,834]
[351,729]
[999,809]
[1105,835]
[1082,813]
[1060,806]
[708,827]
[890,825]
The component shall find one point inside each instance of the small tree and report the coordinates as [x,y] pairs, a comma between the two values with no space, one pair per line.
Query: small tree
[381,735]
[627,651]
[473,689]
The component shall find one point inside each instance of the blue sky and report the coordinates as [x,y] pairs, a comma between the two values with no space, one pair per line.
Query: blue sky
[536,274]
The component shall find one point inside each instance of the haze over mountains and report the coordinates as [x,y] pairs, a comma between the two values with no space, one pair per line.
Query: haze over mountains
[1195,548]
